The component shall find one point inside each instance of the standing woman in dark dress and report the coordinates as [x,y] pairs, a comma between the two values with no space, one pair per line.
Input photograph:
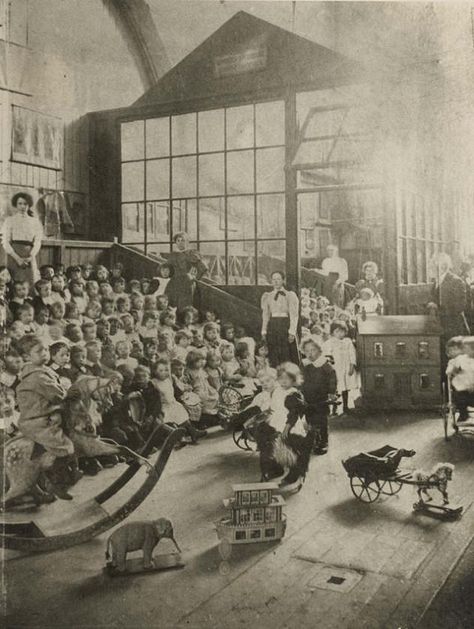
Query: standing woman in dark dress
[22,237]
[187,268]
[280,310]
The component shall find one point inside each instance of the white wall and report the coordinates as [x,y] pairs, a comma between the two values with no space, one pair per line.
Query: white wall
[64,58]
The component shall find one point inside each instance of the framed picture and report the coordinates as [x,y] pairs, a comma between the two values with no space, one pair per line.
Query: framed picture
[37,138]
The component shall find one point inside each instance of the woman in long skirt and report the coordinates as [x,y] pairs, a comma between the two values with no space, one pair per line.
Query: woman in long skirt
[280,309]
[22,237]
[187,268]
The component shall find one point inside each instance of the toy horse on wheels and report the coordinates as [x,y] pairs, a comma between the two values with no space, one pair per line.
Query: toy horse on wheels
[437,478]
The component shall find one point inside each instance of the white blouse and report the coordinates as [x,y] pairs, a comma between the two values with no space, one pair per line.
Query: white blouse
[22,227]
[280,303]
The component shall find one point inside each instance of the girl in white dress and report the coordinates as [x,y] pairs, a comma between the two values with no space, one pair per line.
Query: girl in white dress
[342,352]
[22,236]
[173,411]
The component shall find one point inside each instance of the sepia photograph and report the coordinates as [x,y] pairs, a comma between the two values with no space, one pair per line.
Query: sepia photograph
[236,314]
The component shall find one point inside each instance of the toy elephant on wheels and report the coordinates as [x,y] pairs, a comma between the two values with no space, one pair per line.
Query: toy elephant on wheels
[138,536]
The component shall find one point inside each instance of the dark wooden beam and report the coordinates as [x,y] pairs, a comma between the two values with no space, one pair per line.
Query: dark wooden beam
[291,200]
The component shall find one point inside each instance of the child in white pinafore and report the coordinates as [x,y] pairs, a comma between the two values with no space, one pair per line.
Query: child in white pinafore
[173,411]
[341,350]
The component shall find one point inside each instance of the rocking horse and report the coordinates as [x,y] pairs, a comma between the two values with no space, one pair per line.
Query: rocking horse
[86,400]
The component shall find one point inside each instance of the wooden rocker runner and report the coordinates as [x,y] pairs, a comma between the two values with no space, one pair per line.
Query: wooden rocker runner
[90,518]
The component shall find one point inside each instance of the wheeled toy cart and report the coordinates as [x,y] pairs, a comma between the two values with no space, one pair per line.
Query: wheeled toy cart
[377,473]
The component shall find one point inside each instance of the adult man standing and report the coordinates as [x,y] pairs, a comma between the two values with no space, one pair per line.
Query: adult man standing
[449,298]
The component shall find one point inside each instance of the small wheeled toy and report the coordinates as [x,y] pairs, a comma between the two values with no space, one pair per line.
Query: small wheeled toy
[231,402]
[256,515]
[142,536]
[377,473]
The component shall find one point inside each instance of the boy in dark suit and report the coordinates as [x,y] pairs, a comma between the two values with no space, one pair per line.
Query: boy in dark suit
[319,389]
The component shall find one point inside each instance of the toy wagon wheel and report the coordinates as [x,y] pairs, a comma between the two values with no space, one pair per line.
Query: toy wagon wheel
[390,487]
[225,549]
[241,440]
[365,489]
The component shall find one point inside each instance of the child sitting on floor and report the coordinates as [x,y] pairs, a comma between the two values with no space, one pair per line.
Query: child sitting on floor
[182,340]
[173,411]
[210,336]
[230,365]
[122,350]
[261,356]
[214,370]
[197,377]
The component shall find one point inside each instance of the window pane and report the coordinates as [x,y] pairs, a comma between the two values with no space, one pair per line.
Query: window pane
[308,208]
[184,177]
[240,127]
[271,216]
[133,224]
[213,255]
[158,221]
[157,137]
[133,181]
[240,218]
[270,170]
[271,257]
[158,179]
[211,174]
[241,262]
[240,172]
[133,140]
[211,130]
[270,123]
[212,219]
[185,217]
[184,134]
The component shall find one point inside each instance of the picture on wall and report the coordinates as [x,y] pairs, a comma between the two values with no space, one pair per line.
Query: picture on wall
[37,138]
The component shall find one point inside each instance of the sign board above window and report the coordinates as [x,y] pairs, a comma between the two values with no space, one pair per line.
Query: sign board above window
[248,61]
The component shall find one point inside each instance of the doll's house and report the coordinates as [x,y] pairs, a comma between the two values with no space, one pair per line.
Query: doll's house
[400,361]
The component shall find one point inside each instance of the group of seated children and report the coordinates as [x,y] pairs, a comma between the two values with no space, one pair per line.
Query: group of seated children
[91,321]
[85,321]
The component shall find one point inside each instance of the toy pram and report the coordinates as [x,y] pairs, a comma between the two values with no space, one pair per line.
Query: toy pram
[374,473]
[377,473]
[231,402]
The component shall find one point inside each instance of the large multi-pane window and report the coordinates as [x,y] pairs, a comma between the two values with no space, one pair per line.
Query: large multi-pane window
[424,230]
[219,175]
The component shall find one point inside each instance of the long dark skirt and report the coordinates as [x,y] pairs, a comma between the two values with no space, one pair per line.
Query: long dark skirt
[21,273]
[280,350]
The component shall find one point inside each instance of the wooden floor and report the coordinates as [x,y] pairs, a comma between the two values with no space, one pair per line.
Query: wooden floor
[396,561]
